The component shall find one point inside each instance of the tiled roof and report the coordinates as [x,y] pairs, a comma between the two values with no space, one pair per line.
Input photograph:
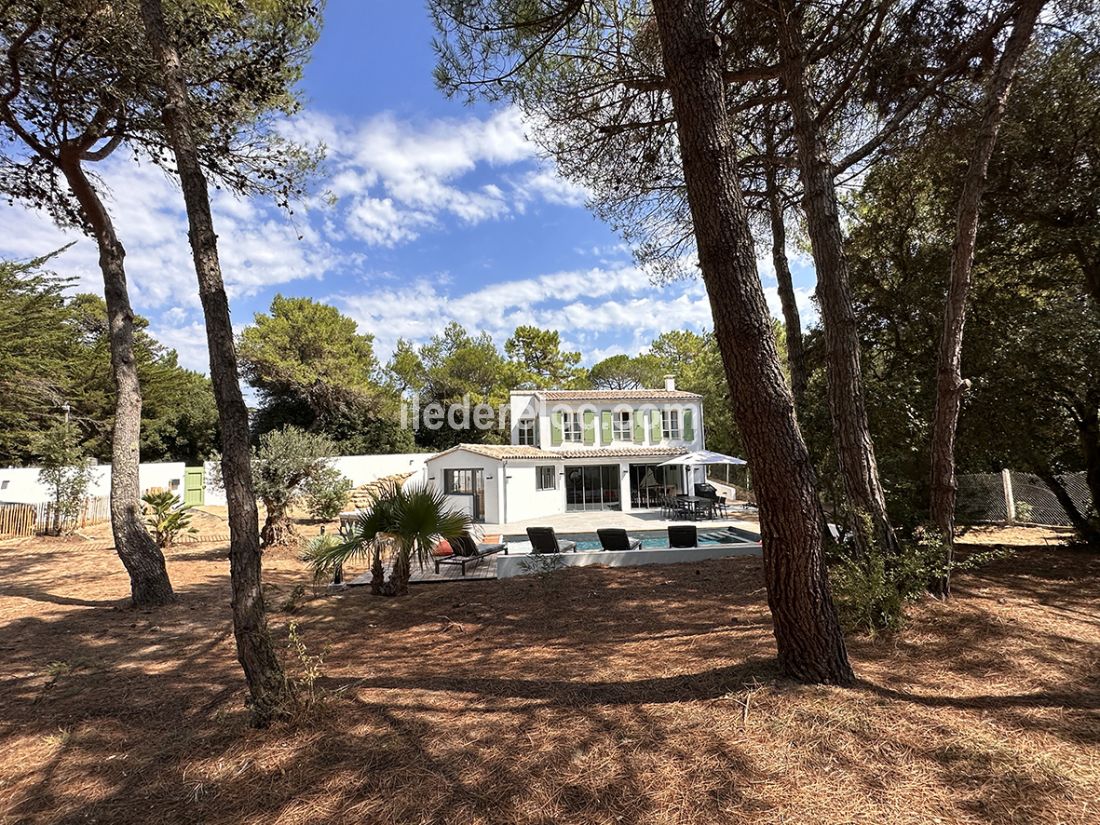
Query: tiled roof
[499,451]
[616,395]
[515,451]
[620,452]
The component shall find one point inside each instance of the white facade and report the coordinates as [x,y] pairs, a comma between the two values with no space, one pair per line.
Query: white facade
[359,469]
[576,450]
[20,485]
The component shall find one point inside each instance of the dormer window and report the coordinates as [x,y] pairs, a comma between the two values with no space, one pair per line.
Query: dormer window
[572,429]
[670,424]
[622,423]
[527,432]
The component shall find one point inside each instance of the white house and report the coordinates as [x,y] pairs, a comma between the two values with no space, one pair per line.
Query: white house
[576,450]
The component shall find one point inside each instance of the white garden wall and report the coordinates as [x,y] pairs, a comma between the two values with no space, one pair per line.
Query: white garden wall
[20,484]
[360,469]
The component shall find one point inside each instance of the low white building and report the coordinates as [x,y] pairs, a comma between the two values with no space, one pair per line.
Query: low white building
[576,450]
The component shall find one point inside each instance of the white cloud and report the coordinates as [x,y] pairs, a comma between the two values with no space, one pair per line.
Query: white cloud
[600,311]
[553,188]
[258,245]
[394,179]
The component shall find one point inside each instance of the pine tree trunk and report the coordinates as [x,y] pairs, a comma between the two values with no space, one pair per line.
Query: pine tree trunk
[266,682]
[950,385]
[143,560]
[851,431]
[792,321]
[1088,429]
[808,636]
[1086,530]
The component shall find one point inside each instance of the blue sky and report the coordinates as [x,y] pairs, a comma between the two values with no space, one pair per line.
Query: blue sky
[442,211]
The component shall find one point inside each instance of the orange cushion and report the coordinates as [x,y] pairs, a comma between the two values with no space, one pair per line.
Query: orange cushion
[443,548]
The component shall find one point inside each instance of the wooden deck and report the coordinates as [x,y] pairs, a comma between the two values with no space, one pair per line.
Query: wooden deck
[486,569]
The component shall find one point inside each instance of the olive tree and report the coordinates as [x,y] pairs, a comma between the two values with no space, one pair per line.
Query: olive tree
[285,466]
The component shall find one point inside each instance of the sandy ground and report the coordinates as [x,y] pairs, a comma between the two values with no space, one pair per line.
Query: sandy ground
[644,695]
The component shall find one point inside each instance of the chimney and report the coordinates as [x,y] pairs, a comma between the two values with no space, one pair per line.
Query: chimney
[670,383]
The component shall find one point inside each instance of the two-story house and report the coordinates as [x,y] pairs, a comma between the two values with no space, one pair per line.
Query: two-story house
[576,450]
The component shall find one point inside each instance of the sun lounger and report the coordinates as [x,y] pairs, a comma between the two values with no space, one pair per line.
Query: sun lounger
[469,552]
[683,535]
[615,538]
[543,540]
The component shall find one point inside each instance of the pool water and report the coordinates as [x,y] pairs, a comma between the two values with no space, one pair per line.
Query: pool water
[659,539]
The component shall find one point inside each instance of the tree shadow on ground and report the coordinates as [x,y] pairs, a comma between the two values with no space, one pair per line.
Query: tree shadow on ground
[633,696]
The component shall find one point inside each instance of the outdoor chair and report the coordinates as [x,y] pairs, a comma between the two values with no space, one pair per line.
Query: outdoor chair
[683,535]
[615,538]
[469,552]
[682,509]
[543,540]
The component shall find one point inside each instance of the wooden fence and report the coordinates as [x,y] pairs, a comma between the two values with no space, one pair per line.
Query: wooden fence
[18,520]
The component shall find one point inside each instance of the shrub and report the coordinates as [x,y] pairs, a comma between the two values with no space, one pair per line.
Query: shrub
[67,473]
[167,517]
[871,591]
[326,493]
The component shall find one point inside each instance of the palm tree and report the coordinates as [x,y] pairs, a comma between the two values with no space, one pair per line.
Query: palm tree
[404,523]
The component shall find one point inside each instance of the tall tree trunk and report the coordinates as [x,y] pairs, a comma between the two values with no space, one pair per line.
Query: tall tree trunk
[807,632]
[1086,530]
[143,560]
[851,431]
[792,322]
[950,385]
[1088,428]
[264,674]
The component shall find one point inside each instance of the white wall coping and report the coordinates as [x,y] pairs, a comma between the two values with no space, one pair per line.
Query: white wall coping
[519,553]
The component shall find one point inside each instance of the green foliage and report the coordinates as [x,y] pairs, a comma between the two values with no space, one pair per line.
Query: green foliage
[326,493]
[541,361]
[302,343]
[305,669]
[35,347]
[697,364]
[167,517]
[315,371]
[67,472]
[81,84]
[624,372]
[404,523]
[1032,329]
[284,464]
[872,591]
[54,350]
[455,367]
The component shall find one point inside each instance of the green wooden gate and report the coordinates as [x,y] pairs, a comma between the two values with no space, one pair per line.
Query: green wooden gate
[193,486]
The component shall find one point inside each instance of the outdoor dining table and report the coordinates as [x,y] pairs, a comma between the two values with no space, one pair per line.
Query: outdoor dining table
[700,506]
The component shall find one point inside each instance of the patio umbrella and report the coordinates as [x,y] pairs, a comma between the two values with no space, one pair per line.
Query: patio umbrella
[703,457]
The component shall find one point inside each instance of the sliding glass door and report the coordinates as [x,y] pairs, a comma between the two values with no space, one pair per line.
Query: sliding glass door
[649,483]
[592,487]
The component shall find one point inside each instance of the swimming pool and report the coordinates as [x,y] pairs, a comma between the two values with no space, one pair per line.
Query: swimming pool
[657,539]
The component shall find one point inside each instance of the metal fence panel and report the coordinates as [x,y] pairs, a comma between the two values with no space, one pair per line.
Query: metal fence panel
[983,499]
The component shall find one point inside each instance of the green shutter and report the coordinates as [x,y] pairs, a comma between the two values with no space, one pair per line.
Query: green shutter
[654,426]
[639,426]
[589,428]
[605,427]
[555,430]
[689,430]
